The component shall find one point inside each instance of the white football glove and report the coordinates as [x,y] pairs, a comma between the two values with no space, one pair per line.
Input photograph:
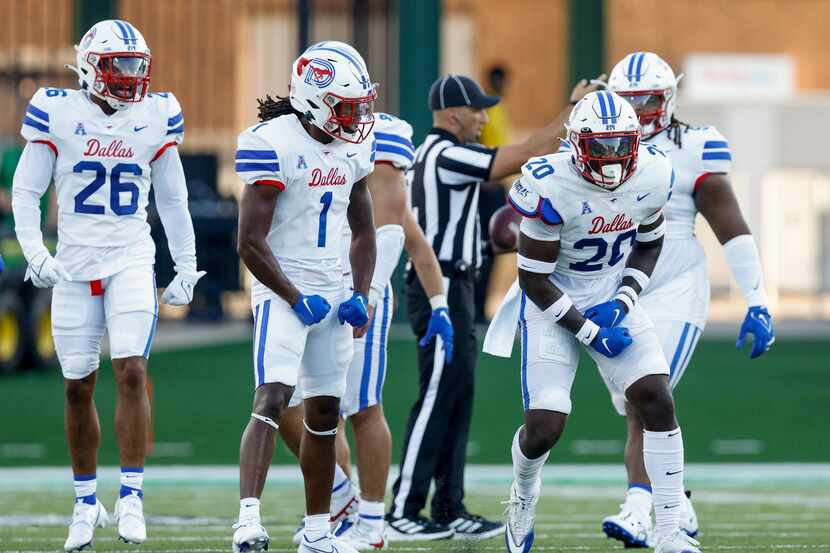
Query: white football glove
[180,290]
[45,271]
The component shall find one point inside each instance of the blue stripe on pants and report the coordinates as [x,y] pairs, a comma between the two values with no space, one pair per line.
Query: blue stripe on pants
[523,323]
[678,351]
[363,401]
[382,355]
[263,333]
[155,320]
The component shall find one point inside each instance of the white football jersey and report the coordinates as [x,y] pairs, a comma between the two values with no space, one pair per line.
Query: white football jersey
[597,227]
[704,151]
[316,181]
[394,147]
[102,174]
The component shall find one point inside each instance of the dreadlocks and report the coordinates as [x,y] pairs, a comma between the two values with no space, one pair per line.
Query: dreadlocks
[675,132]
[269,108]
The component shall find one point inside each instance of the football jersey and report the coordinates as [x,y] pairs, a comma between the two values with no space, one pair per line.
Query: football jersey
[316,182]
[704,151]
[102,174]
[598,226]
[394,146]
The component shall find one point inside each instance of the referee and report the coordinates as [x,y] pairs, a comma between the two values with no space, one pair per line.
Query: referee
[444,186]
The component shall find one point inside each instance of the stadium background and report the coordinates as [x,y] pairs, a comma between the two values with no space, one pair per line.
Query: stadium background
[219,55]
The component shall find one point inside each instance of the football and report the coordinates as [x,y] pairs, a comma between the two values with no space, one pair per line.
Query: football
[504,229]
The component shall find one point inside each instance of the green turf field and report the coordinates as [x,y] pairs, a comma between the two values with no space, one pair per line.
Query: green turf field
[191,516]
[731,409]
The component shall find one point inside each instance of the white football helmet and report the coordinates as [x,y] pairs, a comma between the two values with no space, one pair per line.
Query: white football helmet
[330,85]
[604,134]
[114,63]
[649,83]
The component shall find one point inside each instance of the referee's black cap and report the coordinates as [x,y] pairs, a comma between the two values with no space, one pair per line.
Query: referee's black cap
[452,91]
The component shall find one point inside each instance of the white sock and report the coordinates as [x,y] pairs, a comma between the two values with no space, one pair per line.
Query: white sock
[663,455]
[371,513]
[639,498]
[86,485]
[249,508]
[317,526]
[132,481]
[341,485]
[526,471]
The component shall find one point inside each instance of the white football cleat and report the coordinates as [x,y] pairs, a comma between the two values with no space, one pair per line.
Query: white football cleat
[250,535]
[688,517]
[326,544]
[129,515]
[361,536]
[630,526]
[342,509]
[85,518]
[676,542]
[521,512]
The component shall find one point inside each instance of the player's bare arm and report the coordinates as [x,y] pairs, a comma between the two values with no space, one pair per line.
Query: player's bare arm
[256,211]
[643,256]
[387,187]
[422,256]
[363,249]
[536,254]
[716,201]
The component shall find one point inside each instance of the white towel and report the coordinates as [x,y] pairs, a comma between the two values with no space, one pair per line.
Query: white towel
[501,334]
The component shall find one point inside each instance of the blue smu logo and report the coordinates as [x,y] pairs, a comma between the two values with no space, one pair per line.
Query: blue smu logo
[320,72]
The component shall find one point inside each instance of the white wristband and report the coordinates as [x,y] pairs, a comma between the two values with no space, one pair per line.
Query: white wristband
[639,276]
[559,308]
[588,332]
[438,301]
[535,265]
[374,296]
[626,298]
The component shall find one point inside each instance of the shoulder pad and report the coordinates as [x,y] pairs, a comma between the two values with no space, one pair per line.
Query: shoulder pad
[173,111]
[540,168]
[710,149]
[394,141]
[256,159]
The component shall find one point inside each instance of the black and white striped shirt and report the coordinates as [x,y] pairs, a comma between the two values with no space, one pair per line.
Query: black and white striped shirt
[444,189]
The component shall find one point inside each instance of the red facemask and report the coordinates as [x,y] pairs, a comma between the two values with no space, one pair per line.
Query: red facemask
[123,76]
[650,106]
[599,152]
[351,119]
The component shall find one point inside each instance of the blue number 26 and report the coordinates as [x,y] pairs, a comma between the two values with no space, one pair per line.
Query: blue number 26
[117,187]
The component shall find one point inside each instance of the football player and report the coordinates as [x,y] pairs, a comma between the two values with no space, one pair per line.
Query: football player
[584,213]
[396,228]
[677,299]
[305,167]
[104,145]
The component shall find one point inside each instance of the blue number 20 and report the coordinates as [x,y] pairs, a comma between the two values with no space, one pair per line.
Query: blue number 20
[321,232]
[117,186]
[601,246]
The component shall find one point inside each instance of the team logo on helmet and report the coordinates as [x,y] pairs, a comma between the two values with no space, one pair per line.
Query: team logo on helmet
[90,36]
[320,72]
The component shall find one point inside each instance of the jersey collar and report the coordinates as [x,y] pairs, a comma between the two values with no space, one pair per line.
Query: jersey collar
[445,134]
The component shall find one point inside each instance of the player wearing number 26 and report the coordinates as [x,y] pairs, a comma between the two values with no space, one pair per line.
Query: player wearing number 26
[304,167]
[591,235]
[104,146]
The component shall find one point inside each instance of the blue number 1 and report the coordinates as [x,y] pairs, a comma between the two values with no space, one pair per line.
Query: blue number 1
[321,232]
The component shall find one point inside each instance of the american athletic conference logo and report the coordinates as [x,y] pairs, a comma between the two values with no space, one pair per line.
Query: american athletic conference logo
[320,72]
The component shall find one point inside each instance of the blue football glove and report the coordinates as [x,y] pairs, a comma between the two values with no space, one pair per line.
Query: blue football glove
[311,309]
[353,310]
[608,314]
[440,325]
[2,265]
[758,322]
[612,341]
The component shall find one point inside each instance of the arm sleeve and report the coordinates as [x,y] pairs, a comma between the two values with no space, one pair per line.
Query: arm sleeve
[389,240]
[31,180]
[745,264]
[170,189]
[465,164]
[257,161]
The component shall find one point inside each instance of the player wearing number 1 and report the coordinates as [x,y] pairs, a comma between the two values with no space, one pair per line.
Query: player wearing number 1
[103,145]
[305,167]
[593,229]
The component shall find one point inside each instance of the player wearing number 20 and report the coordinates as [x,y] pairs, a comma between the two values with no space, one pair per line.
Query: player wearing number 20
[592,231]
[104,145]
[305,167]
